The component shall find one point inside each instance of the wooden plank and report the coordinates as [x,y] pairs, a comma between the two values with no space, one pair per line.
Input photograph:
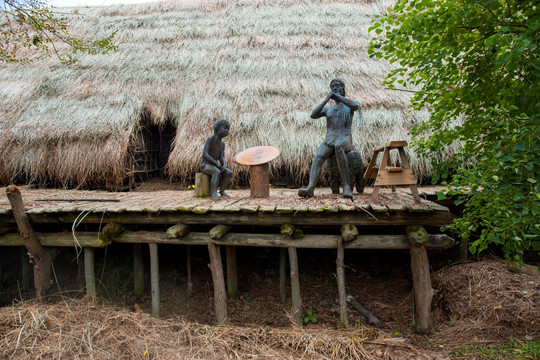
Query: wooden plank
[90,240]
[387,178]
[440,241]
[378,208]
[249,208]
[392,145]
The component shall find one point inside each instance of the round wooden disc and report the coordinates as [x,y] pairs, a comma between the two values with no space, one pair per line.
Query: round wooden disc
[257,155]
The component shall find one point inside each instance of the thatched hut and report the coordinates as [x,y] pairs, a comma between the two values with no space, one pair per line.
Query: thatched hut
[147,108]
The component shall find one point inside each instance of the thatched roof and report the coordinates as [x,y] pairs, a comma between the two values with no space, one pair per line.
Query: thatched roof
[264,65]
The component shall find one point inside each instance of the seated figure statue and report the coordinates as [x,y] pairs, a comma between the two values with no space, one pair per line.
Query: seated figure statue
[338,139]
[213,159]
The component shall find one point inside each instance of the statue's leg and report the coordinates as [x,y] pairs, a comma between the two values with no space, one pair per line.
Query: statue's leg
[225,180]
[214,172]
[323,153]
[343,166]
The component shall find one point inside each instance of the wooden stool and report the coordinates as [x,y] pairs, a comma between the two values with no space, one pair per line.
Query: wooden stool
[202,185]
[388,175]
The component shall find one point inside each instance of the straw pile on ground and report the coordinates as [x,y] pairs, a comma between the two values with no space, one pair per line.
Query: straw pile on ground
[488,301]
[263,64]
[84,329]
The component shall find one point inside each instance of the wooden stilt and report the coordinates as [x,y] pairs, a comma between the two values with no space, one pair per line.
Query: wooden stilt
[340,271]
[89,272]
[220,296]
[282,271]
[138,270]
[189,281]
[295,285]
[40,257]
[81,278]
[154,278]
[26,276]
[423,292]
[232,274]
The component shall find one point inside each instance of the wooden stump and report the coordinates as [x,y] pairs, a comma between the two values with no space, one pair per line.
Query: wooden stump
[154,278]
[220,296]
[423,292]
[89,271]
[259,177]
[138,270]
[202,185]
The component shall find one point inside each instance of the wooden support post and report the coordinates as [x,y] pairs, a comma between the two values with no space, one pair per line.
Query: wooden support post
[340,271]
[220,296]
[26,276]
[295,285]
[202,185]
[89,272]
[138,270]
[189,280]
[81,281]
[282,271]
[154,278]
[423,293]
[39,256]
[232,274]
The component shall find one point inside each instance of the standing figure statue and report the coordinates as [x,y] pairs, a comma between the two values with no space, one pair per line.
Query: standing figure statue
[338,139]
[213,159]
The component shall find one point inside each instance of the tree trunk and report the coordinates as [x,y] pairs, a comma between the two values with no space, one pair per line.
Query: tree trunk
[39,256]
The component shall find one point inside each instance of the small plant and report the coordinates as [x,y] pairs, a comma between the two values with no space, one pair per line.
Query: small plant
[308,317]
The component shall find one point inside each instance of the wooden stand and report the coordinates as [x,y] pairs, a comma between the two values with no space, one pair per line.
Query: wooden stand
[202,185]
[387,175]
[259,180]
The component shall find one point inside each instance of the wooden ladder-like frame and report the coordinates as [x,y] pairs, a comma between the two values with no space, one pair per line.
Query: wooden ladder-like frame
[388,175]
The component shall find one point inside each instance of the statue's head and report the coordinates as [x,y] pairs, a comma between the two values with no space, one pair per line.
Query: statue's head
[338,84]
[223,126]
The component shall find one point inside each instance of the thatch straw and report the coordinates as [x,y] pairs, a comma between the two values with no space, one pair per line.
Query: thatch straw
[487,301]
[262,64]
[83,329]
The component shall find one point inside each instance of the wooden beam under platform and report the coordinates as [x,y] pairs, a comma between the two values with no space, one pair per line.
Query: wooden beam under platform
[435,241]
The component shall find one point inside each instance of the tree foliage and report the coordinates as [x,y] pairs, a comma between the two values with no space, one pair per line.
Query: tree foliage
[476,60]
[30,25]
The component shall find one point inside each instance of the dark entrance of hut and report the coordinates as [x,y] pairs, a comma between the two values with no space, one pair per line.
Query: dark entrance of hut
[150,150]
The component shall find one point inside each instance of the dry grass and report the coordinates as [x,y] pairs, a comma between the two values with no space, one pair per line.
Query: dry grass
[488,301]
[83,329]
[262,64]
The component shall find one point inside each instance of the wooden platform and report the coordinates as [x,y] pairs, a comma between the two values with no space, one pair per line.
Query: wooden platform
[393,221]
[171,207]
